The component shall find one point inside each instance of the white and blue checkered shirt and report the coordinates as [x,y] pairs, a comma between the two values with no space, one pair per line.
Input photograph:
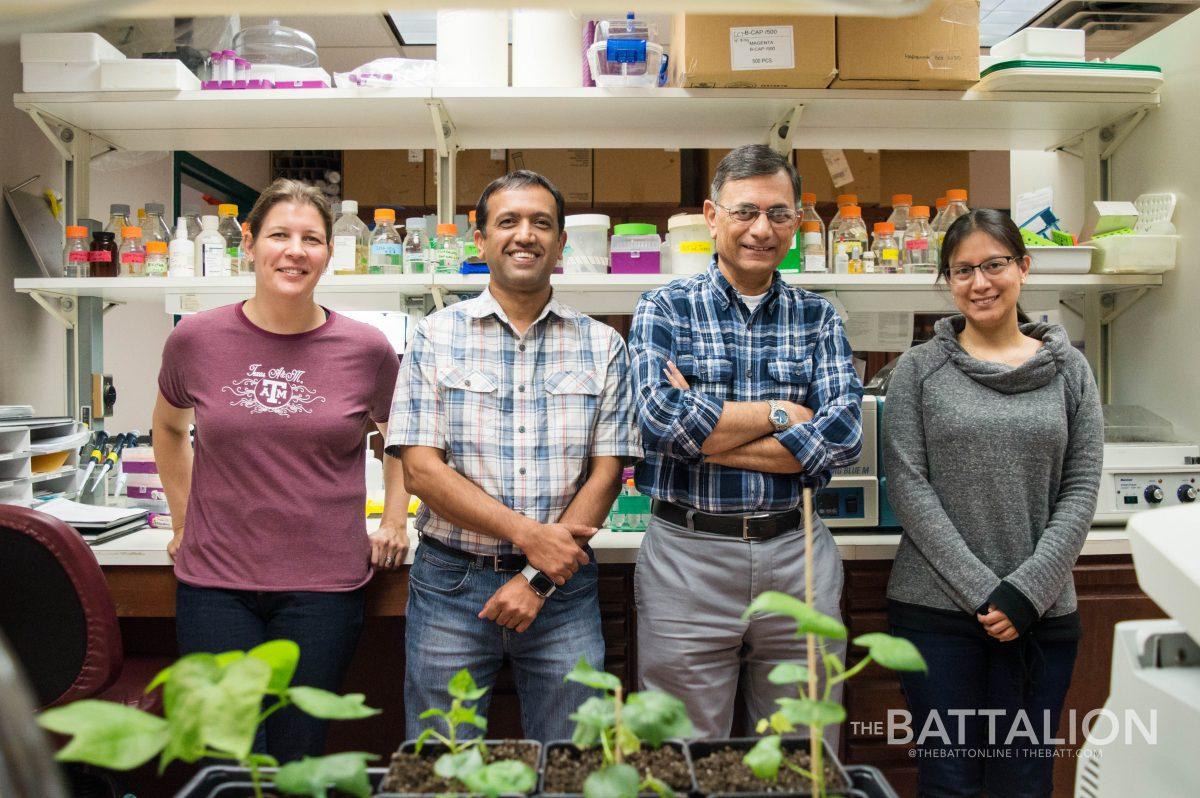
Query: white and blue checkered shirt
[518,415]
[792,346]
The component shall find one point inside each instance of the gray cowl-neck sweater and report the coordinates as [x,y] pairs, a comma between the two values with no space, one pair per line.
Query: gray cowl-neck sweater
[992,472]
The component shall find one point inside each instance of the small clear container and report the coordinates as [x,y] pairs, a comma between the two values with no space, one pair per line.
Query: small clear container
[156,259]
[689,243]
[446,250]
[387,247]
[75,252]
[132,254]
[886,248]
[635,248]
[625,53]
[416,249]
[918,242]
[274,43]
[851,242]
[586,251]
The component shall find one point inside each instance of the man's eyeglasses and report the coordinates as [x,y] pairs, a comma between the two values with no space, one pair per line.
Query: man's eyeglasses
[779,215]
[990,268]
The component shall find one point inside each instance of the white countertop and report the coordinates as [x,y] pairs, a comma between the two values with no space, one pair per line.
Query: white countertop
[148,547]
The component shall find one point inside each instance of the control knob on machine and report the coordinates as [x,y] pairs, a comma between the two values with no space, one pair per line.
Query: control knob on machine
[1154,494]
[1186,493]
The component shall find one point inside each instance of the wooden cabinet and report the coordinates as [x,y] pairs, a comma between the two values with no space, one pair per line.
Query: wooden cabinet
[1108,593]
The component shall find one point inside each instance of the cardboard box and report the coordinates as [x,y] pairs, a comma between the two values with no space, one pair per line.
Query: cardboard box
[626,176]
[926,174]
[384,177]
[569,170]
[474,169]
[936,49]
[740,51]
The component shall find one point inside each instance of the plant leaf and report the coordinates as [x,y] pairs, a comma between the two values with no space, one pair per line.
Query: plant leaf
[330,706]
[458,766]
[807,619]
[765,757]
[282,656]
[658,786]
[612,781]
[788,673]
[585,674]
[459,715]
[106,734]
[315,775]
[432,713]
[498,778]
[807,712]
[191,686]
[230,717]
[655,716]
[591,719]
[463,687]
[627,741]
[421,738]
[779,724]
[895,653]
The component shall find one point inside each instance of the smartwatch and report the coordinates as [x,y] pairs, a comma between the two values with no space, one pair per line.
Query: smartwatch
[779,416]
[541,584]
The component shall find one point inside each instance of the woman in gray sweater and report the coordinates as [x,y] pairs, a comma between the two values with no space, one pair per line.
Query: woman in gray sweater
[993,441]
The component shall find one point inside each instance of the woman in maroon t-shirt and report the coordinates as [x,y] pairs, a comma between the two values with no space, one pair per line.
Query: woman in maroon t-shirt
[270,537]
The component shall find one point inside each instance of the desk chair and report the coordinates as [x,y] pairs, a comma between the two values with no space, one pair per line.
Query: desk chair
[58,616]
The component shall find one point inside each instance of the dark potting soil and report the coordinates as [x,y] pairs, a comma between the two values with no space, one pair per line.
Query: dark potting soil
[410,772]
[567,768]
[723,771]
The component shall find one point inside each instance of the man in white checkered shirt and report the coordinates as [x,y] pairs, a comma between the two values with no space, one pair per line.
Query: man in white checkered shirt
[513,417]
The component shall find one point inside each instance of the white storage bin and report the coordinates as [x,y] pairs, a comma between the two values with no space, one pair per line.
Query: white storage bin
[587,244]
[147,74]
[1060,260]
[66,48]
[1135,254]
[689,244]
[76,76]
[1053,44]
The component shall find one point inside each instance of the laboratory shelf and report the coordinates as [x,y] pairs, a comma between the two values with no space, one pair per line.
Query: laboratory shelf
[354,118]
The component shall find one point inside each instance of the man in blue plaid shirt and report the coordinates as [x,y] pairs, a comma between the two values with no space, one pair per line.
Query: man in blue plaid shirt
[745,394]
[513,417]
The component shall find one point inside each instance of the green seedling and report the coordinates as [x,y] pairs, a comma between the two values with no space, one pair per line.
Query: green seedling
[463,760]
[620,724]
[212,706]
[766,757]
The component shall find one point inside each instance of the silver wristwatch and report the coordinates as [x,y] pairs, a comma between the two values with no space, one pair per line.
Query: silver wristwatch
[779,416]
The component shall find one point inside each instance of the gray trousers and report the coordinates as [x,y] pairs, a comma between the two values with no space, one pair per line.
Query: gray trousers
[690,589]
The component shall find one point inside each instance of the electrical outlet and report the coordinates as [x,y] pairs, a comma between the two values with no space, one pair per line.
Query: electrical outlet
[104,395]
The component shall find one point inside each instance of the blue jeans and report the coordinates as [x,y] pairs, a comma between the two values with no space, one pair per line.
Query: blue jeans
[444,635]
[979,673]
[325,626]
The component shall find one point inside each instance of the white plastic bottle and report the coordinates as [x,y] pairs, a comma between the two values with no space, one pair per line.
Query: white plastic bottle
[211,258]
[416,249]
[918,243]
[229,227]
[351,242]
[181,255]
[387,248]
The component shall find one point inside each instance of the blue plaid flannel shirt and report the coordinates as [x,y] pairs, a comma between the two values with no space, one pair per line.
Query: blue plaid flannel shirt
[792,347]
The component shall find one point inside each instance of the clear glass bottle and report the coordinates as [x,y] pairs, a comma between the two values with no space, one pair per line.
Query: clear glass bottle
[132,254]
[956,206]
[446,254]
[212,256]
[416,250]
[387,247]
[851,241]
[229,227]
[813,241]
[75,252]
[192,217]
[181,254]
[918,243]
[843,201]
[470,251]
[155,228]
[156,259]
[901,207]
[886,248]
[118,218]
[351,242]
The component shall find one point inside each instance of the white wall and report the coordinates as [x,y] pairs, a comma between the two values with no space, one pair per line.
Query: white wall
[1155,363]
[1033,170]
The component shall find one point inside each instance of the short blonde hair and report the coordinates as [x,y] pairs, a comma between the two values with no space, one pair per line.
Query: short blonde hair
[285,190]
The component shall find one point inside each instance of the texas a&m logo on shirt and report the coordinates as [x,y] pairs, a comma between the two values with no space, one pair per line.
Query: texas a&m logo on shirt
[276,390]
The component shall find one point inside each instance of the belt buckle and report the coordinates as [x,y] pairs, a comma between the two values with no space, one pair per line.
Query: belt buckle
[746,519]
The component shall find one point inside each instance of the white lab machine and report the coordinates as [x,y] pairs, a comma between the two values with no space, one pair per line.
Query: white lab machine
[1154,695]
[851,499]
[1145,465]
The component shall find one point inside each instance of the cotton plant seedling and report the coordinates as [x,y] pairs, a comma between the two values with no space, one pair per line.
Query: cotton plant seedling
[213,705]
[895,653]
[621,724]
[463,760]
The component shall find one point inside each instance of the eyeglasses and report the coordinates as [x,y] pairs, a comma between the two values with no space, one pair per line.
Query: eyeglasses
[990,268]
[780,215]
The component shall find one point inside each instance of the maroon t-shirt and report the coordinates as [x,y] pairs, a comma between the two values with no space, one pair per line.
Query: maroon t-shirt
[278,486]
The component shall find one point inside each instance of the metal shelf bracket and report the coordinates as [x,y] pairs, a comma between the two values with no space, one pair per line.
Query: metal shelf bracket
[445,178]
[783,132]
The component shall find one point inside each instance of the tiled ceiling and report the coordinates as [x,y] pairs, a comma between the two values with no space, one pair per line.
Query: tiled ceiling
[999,19]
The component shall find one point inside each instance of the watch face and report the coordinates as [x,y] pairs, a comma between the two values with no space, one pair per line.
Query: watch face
[779,417]
[542,585]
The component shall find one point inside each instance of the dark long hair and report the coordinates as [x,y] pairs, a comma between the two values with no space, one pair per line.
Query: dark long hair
[998,225]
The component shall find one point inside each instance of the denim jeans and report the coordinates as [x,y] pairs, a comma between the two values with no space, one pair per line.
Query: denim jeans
[326,626]
[443,634]
[979,673]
